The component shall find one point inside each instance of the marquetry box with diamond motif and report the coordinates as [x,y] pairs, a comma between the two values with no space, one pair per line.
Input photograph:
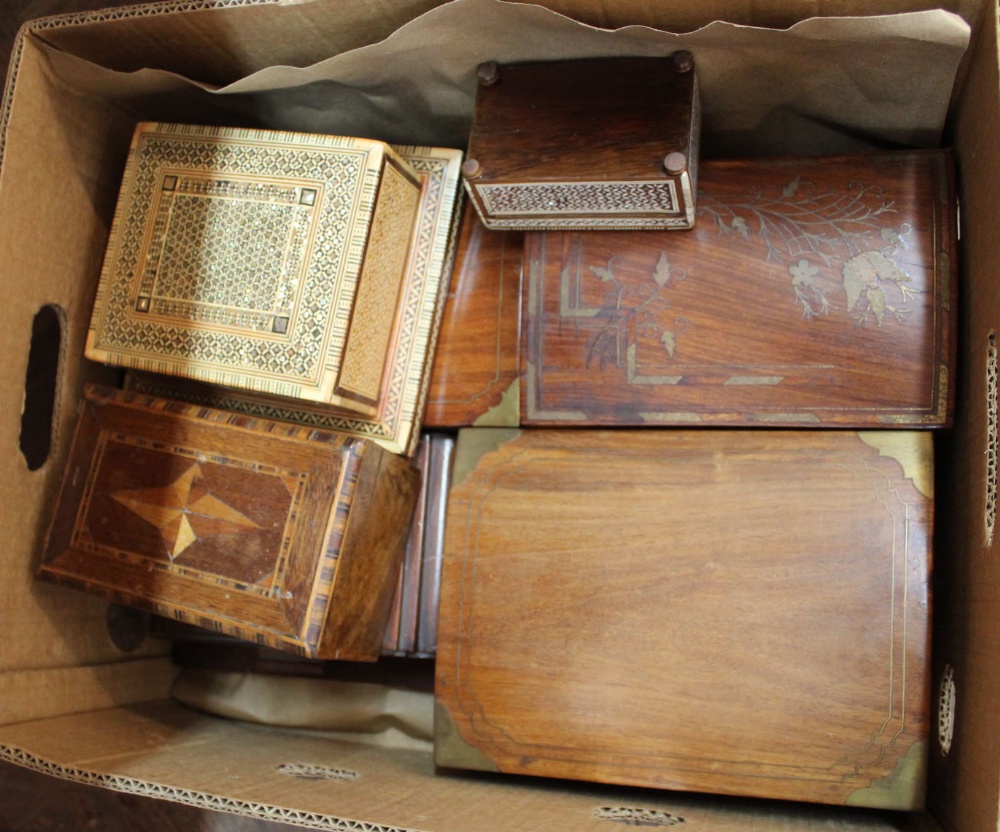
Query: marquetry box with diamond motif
[258,259]
[287,536]
[741,612]
[599,143]
[810,292]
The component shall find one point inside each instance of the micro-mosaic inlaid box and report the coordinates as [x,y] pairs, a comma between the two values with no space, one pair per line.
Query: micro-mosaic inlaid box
[270,261]
[597,143]
[812,291]
[395,424]
[734,611]
[281,534]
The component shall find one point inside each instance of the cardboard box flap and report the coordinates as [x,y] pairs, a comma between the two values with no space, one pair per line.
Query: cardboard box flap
[45,627]
[823,85]
[31,695]
[170,752]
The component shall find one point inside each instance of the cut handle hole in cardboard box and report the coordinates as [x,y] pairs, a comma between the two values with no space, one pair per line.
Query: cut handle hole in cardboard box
[991,437]
[306,771]
[40,383]
[946,710]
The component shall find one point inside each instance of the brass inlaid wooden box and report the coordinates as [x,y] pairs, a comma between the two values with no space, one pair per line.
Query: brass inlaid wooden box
[740,612]
[283,535]
[585,144]
[811,292]
[395,425]
[258,259]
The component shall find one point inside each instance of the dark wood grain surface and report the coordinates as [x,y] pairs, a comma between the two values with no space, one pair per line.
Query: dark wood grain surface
[810,292]
[401,631]
[740,612]
[477,359]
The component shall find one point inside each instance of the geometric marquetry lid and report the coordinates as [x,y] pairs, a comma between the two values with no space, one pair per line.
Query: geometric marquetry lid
[811,292]
[284,535]
[396,424]
[264,260]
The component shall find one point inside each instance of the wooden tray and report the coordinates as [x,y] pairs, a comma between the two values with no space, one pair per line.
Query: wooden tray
[395,425]
[742,612]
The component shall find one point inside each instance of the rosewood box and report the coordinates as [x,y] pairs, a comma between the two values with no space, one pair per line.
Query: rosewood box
[585,144]
[395,424]
[257,259]
[816,292]
[740,612]
[283,535]
[477,368]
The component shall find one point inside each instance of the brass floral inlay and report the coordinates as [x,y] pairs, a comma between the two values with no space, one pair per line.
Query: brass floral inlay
[630,311]
[808,230]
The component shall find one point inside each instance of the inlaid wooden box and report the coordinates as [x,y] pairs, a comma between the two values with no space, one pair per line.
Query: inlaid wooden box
[265,260]
[279,534]
[439,472]
[477,366]
[740,612]
[412,630]
[395,424]
[810,292]
[401,629]
[598,143]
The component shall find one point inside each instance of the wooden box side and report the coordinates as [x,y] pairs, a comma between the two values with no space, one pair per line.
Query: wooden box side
[361,377]
[369,557]
[477,366]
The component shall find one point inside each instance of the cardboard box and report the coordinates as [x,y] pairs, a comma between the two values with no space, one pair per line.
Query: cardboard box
[71,705]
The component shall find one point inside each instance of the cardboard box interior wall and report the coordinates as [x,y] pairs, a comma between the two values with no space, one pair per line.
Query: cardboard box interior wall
[73,706]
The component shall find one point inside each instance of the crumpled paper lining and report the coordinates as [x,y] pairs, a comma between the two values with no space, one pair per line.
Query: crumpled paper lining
[824,85]
[354,711]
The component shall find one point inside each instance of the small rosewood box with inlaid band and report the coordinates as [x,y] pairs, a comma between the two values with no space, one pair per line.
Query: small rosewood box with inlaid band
[811,292]
[586,144]
[743,612]
[284,535]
